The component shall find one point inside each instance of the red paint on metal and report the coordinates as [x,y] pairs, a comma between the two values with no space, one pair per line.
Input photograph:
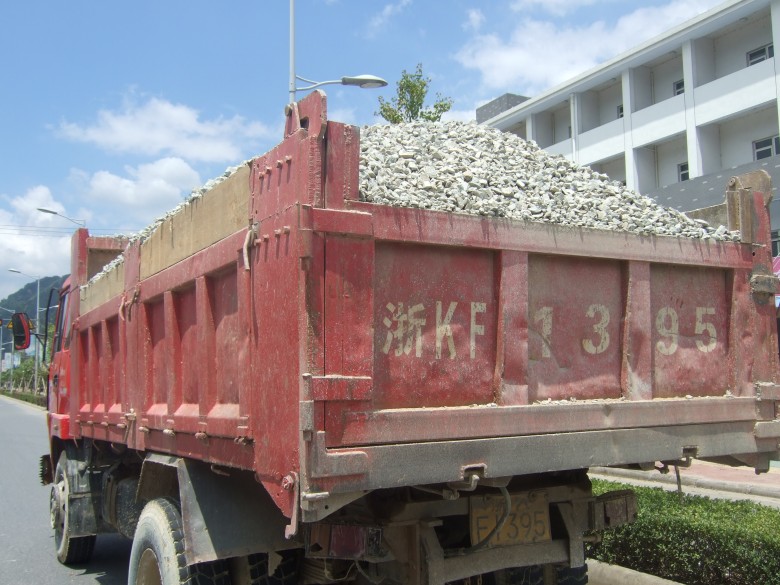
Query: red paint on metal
[360,325]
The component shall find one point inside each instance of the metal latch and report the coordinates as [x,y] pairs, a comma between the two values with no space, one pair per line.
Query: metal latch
[613,509]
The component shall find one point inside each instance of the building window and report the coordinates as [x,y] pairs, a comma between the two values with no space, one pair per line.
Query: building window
[682,172]
[760,54]
[620,111]
[775,243]
[678,87]
[766,147]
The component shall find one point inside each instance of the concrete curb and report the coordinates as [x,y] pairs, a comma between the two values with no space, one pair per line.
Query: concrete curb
[604,574]
[696,482]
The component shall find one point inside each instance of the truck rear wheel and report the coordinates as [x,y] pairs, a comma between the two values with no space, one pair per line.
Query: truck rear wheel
[573,575]
[157,555]
[71,550]
[543,575]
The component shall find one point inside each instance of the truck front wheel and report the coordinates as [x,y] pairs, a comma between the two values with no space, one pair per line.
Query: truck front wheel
[157,554]
[71,550]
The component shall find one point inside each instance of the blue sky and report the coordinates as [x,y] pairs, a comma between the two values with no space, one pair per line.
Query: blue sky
[112,112]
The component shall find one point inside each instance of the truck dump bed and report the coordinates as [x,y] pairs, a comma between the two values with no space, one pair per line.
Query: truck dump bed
[332,346]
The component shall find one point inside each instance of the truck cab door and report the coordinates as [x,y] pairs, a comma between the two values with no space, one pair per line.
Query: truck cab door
[59,368]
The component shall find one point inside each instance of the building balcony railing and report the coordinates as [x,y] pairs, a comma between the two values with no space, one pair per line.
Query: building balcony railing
[659,121]
[603,142]
[563,148]
[742,90]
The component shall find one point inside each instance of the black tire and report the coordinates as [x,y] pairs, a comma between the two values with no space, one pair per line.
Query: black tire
[573,575]
[535,575]
[253,569]
[71,550]
[157,554]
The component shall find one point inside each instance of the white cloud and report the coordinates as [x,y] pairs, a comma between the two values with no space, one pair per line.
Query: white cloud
[556,7]
[474,19]
[146,191]
[460,115]
[379,20]
[33,242]
[345,115]
[159,127]
[527,63]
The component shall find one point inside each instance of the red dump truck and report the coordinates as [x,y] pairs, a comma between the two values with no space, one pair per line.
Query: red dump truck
[284,384]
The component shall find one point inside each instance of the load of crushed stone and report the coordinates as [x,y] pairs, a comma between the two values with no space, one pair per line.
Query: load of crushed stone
[466,168]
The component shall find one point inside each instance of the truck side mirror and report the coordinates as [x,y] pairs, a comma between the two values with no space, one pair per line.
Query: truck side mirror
[20,324]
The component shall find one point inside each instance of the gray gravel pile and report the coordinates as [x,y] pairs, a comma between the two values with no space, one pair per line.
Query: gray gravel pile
[465,168]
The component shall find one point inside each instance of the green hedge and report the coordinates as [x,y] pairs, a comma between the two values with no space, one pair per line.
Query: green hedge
[696,541]
[38,399]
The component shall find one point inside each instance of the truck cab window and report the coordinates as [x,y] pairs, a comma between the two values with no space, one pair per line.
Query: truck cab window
[62,331]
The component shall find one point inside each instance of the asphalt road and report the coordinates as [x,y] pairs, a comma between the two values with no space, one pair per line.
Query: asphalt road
[26,542]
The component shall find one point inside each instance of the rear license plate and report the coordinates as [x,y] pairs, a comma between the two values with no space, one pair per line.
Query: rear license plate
[528,520]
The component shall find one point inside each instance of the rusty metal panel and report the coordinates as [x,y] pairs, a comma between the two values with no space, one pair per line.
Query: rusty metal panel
[435,326]
[690,331]
[576,307]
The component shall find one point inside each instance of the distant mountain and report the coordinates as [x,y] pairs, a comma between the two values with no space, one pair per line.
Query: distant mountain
[24,300]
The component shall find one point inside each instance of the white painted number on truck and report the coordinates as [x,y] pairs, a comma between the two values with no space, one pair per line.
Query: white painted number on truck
[406,329]
[594,345]
[667,325]
[600,328]
[544,316]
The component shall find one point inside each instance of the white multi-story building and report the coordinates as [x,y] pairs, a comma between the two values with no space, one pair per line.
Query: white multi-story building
[673,118]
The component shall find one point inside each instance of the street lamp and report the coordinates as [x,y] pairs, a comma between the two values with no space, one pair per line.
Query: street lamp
[37,319]
[78,222]
[363,81]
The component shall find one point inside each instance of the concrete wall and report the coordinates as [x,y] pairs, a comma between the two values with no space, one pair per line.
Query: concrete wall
[669,155]
[731,49]
[737,136]
[609,99]
[664,76]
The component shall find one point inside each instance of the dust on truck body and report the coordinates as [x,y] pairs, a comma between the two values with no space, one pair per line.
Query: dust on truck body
[315,388]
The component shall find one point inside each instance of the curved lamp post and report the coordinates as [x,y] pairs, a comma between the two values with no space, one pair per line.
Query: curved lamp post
[363,81]
[37,318]
[78,222]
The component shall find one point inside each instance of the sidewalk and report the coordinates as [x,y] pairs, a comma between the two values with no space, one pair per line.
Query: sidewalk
[712,479]
[604,574]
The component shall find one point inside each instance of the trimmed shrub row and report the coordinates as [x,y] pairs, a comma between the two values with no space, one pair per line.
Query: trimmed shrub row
[696,540]
[37,399]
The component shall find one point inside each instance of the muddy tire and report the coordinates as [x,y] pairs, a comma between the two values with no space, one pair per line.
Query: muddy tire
[71,550]
[572,576]
[157,555]
[543,575]
[253,570]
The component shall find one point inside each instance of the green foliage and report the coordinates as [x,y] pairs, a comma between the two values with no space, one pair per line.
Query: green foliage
[22,378]
[23,300]
[408,105]
[698,541]
[37,399]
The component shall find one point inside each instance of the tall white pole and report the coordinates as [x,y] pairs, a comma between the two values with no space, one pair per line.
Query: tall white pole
[292,51]
[37,332]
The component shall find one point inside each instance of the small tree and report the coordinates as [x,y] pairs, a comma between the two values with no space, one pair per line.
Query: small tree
[408,104]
